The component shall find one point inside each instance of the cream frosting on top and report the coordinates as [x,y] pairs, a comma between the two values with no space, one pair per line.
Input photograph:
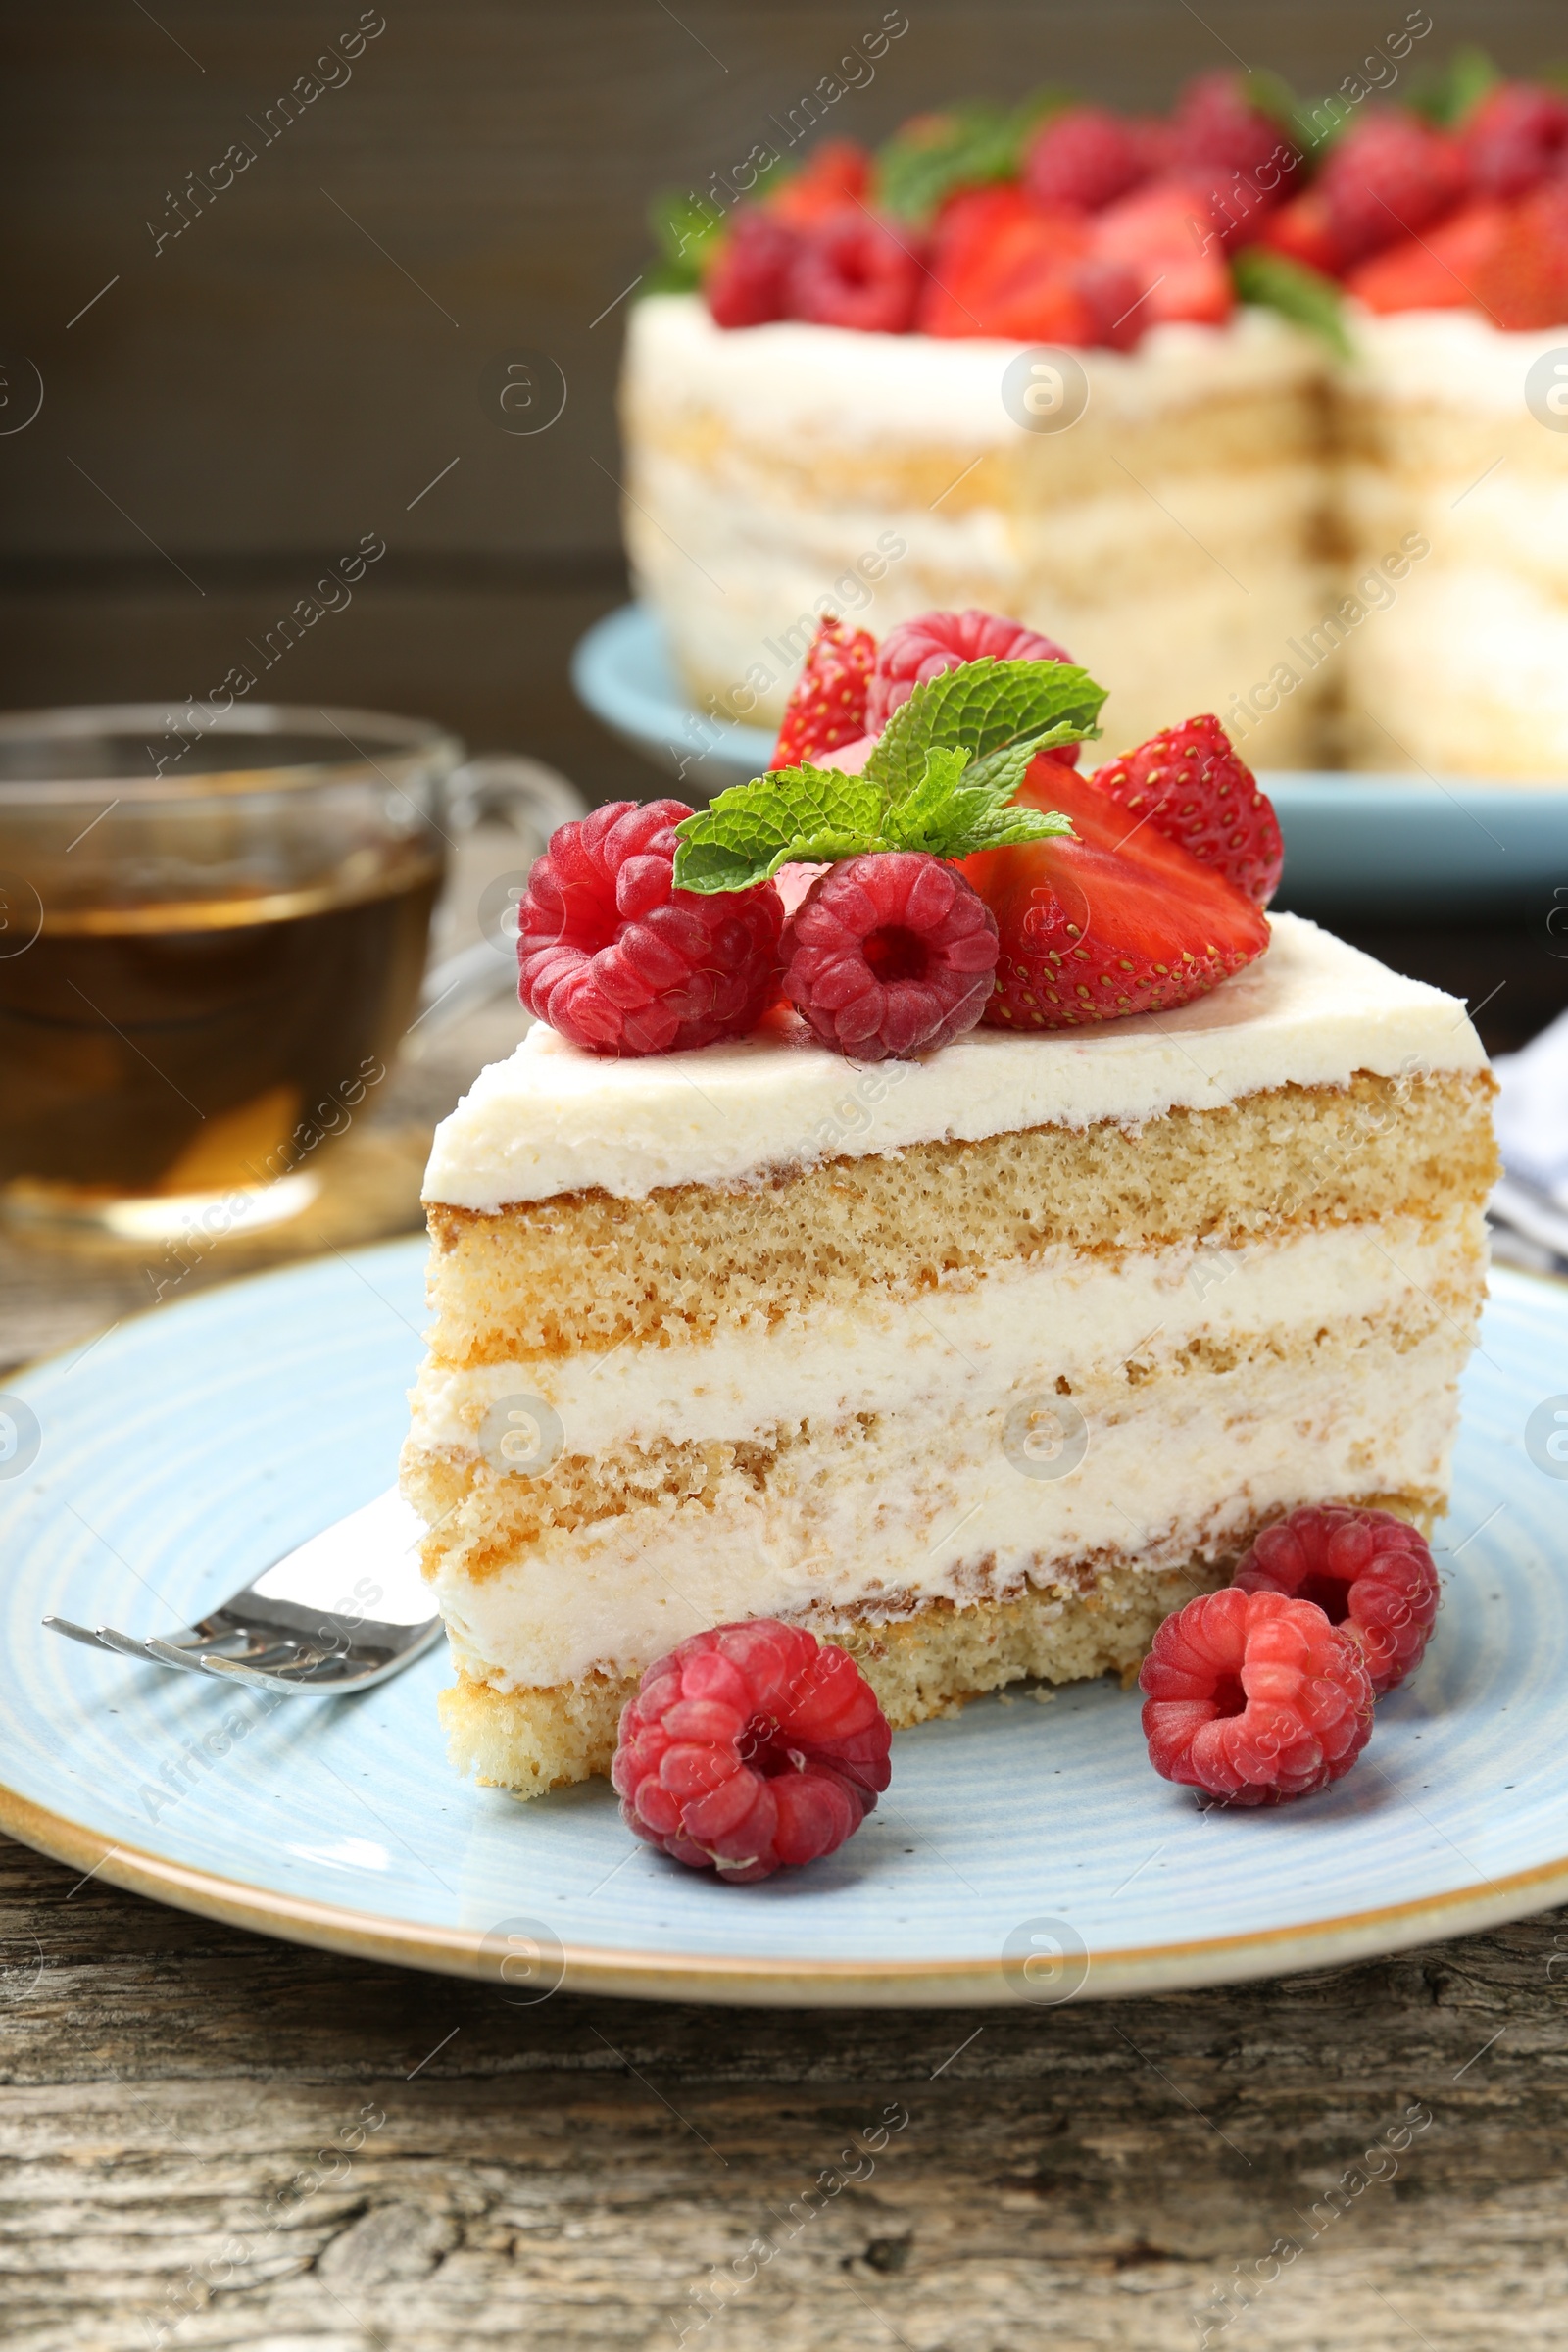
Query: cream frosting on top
[1449,359]
[794,377]
[552,1119]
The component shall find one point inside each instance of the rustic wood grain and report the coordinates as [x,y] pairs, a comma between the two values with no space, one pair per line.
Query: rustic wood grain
[570,2174]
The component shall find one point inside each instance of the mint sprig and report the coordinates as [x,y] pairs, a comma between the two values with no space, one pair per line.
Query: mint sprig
[1277,284]
[942,779]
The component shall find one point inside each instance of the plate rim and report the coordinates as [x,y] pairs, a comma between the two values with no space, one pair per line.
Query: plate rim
[739,1979]
[736,1980]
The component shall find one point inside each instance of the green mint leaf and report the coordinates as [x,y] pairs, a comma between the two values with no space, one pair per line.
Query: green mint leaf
[796,814]
[933,156]
[1297,293]
[983,707]
[959,807]
[1447,94]
[940,780]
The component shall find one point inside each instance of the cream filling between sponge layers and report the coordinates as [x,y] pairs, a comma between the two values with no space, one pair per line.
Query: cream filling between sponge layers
[1312,1011]
[930,1507]
[967,1343]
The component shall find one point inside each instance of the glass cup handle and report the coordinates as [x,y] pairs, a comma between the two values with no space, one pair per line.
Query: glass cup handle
[532,799]
[526,794]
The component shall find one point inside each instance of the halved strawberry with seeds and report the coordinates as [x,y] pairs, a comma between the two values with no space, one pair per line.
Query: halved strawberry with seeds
[1189,785]
[1443,269]
[1119,921]
[827,702]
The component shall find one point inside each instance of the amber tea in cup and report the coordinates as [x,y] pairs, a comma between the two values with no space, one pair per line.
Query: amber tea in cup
[213,930]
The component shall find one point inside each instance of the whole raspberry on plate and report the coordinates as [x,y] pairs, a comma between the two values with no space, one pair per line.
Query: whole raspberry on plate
[616,960]
[854,270]
[934,642]
[1190,785]
[1253,1697]
[1368,1572]
[752,1748]
[827,702]
[890,954]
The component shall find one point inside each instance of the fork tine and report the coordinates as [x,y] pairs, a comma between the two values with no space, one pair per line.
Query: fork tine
[77,1632]
[112,1639]
[228,1670]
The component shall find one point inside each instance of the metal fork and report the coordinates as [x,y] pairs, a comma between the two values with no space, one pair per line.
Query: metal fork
[278,1633]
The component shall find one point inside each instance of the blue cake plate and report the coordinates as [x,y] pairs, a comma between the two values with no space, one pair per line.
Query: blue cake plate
[1390,845]
[1024,1851]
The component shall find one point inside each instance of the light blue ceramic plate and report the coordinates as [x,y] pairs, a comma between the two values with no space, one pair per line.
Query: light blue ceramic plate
[1024,1851]
[1393,845]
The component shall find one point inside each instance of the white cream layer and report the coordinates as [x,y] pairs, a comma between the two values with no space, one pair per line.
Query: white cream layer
[552,1119]
[791,380]
[972,1346]
[1444,359]
[1182,1465]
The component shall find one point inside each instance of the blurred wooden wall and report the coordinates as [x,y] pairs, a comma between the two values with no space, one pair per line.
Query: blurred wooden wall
[299,366]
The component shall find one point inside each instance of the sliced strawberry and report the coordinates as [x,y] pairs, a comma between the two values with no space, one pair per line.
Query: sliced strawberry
[1003,265]
[1190,786]
[1119,921]
[1164,234]
[827,702]
[1300,229]
[1524,283]
[1440,270]
[837,173]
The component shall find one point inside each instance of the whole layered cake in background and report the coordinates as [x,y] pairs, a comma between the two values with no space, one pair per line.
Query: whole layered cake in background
[936,1207]
[1253,405]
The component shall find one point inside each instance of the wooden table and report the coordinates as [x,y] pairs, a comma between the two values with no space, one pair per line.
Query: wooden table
[212,2140]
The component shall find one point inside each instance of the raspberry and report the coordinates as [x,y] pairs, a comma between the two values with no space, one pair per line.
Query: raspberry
[923,648]
[1366,1570]
[1253,1697]
[615,959]
[890,954]
[1515,138]
[752,1748]
[827,702]
[748,282]
[1085,156]
[854,271]
[1388,177]
[839,172]
[1218,131]
[1189,784]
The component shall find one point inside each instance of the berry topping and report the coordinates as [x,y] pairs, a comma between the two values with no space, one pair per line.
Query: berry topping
[1516,138]
[839,172]
[1003,265]
[619,961]
[827,702]
[1189,784]
[854,270]
[1253,1697]
[889,956]
[1113,922]
[1523,282]
[1388,177]
[1218,130]
[1368,1572]
[1160,232]
[752,1748]
[1443,269]
[748,281]
[934,642]
[1086,157]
